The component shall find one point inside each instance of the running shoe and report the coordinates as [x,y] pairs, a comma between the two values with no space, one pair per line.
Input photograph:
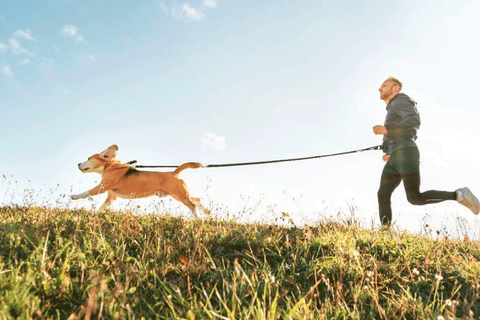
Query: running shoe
[466,198]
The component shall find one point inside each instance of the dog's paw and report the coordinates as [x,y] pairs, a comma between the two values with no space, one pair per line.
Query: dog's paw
[75,196]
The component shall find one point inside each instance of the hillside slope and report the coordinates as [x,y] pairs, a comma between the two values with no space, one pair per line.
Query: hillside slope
[61,264]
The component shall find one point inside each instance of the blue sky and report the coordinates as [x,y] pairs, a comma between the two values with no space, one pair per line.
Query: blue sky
[221,81]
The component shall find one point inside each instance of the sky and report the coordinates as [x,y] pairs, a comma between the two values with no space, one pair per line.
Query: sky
[217,81]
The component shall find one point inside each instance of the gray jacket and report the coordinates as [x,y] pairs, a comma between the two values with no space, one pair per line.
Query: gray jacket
[402,122]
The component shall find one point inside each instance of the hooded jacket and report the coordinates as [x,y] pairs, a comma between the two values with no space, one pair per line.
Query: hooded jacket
[402,122]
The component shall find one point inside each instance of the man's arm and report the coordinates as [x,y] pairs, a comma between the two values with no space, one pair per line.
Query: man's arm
[382,130]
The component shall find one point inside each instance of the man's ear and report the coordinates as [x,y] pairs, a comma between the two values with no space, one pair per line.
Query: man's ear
[110,153]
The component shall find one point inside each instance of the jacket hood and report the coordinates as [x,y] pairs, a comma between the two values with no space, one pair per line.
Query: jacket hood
[401,96]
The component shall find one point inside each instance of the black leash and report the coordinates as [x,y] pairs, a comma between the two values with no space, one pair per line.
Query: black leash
[265,162]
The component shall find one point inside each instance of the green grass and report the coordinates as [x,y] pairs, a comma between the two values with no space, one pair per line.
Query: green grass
[78,264]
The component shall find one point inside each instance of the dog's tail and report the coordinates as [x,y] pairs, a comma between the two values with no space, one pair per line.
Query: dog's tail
[188,165]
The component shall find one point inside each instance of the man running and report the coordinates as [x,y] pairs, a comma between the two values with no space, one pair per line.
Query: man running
[403,158]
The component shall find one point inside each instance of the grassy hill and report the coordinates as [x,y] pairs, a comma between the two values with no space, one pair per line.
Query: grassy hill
[77,264]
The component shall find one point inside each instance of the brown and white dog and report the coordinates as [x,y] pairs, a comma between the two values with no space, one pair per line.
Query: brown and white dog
[124,181]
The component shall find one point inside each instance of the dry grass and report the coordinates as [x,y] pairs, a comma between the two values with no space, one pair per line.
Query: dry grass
[78,264]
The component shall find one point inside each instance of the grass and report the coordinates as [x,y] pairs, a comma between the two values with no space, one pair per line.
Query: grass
[78,264]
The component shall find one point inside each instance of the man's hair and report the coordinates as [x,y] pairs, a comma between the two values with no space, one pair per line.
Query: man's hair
[396,81]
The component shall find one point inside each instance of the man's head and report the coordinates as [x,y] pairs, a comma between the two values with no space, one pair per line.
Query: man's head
[389,89]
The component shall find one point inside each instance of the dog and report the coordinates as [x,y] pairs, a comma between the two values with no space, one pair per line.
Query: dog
[124,181]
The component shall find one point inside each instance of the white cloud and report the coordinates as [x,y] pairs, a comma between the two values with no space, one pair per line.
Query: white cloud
[71,31]
[24,34]
[17,48]
[80,38]
[210,3]
[6,71]
[192,13]
[187,12]
[25,61]
[211,140]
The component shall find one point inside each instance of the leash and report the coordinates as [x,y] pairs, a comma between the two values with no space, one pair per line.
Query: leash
[265,162]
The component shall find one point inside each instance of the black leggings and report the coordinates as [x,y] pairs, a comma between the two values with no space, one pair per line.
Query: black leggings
[404,165]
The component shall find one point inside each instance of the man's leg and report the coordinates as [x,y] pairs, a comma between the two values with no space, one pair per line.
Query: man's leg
[463,196]
[411,183]
[388,183]
[409,168]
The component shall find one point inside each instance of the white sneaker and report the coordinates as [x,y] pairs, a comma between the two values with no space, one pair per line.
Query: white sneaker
[466,198]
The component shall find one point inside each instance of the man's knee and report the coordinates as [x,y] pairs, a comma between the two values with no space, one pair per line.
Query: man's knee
[415,200]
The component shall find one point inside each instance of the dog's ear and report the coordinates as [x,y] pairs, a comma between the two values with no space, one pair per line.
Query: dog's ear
[110,153]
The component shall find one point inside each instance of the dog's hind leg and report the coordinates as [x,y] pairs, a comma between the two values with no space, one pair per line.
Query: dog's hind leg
[199,205]
[186,201]
[191,206]
[110,198]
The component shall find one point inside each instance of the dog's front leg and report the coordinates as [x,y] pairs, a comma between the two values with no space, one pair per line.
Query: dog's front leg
[110,198]
[80,196]
[93,192]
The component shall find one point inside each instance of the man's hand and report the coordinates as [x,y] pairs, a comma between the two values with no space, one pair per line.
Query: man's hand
[380,130]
